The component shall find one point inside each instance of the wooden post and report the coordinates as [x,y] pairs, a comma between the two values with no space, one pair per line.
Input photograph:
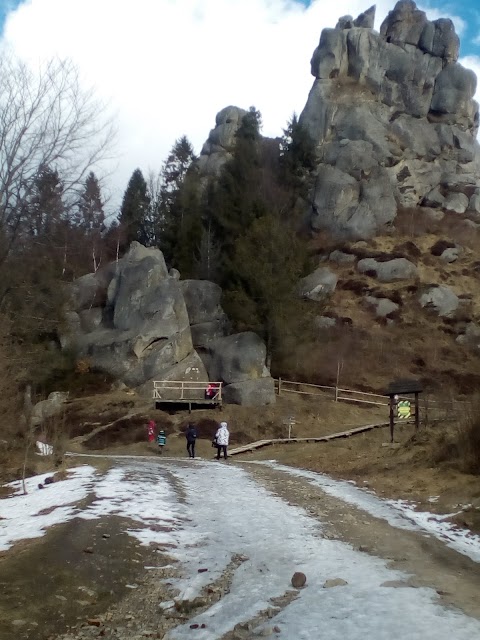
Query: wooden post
[417,412]
[279,386]
[336,384]
[392,419]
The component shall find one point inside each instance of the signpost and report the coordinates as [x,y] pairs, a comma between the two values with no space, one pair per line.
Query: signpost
[401,409]
[289,422]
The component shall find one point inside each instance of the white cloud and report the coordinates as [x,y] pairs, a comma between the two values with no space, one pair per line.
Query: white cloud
[168,66]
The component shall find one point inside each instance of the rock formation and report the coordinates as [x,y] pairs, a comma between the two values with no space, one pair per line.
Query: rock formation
[137,322]
[395,122]
[218,148]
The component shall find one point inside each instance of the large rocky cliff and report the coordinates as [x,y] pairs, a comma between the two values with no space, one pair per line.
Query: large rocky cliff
[394,121]
[139,323]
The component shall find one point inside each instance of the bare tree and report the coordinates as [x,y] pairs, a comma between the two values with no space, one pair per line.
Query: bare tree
[46,120]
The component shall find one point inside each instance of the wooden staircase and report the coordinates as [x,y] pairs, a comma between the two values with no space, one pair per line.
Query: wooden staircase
[259,444]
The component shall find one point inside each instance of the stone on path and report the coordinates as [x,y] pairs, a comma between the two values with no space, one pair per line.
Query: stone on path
[299,579]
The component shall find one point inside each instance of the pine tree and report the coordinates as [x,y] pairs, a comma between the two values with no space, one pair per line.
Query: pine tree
[134,212]
[236,200]
[90,214]
[89,222]
[268,262]
[179,216]
[46,207]
[298,155]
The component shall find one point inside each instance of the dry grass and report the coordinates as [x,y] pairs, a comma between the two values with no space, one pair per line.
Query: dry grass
[466,444]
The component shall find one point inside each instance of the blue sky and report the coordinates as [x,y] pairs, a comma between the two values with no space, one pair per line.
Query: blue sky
[167,67]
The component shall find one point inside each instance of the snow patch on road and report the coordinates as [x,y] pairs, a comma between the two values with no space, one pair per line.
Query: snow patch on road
[398,513]
[29,516]
[227,515]
[143,494]
[231,514]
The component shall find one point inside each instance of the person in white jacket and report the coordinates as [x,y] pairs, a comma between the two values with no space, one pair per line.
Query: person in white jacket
[222,437]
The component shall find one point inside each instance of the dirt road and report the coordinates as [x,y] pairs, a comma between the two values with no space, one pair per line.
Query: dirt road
[224,540]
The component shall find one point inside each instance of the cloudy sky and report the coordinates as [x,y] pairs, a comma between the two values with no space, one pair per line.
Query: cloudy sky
[168,66]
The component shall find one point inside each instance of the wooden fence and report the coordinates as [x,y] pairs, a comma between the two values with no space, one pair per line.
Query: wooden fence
[337,393]
[186,392]
[431,409]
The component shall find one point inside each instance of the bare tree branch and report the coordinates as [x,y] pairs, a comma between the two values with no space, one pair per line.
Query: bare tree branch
[46,120]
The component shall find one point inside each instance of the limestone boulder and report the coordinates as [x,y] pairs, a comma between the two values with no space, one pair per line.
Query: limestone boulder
[383,306]
[389,271]
[456,202]
[236,358]
[471,336]
[450,255]
[455,87]
[253,393]
[54,405]
[190,369]
[394,122]
[341,257]
[347,207]
[440,299]
[90,319]
[202,299]
[474,203]
[218,148]
[205,332]
[324,322]
[318,285]
[90,290]
[207,319]
[142,330]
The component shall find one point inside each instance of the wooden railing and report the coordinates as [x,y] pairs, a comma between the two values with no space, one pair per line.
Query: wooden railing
[431,409]
[337,393]
[183,391]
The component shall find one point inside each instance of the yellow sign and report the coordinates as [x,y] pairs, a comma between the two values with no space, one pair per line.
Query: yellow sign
[404,410]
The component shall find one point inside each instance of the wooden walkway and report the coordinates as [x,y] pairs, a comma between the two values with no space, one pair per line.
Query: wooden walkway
[248,448]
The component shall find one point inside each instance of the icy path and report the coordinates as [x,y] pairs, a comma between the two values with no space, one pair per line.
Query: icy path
[398,513]
[231,514]
[226,514]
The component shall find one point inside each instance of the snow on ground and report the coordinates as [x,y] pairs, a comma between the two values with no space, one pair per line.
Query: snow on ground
[398,513]
[146,497]
[234,515]
[226,514]
[30,515]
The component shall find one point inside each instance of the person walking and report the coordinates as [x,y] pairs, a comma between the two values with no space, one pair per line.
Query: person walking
[161,440]
[151,431]
[191,436]
[222,437]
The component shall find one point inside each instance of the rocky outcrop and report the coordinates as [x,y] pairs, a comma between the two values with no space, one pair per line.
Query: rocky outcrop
[394,120]
[139,323]
[384,307]
[253,393]
[218,148]
[440,299]
[207,319]
[239,360]
[389,271]
[318,285]
[54,405]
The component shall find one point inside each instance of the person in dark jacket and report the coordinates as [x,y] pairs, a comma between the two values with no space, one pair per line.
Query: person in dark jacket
[191,436]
